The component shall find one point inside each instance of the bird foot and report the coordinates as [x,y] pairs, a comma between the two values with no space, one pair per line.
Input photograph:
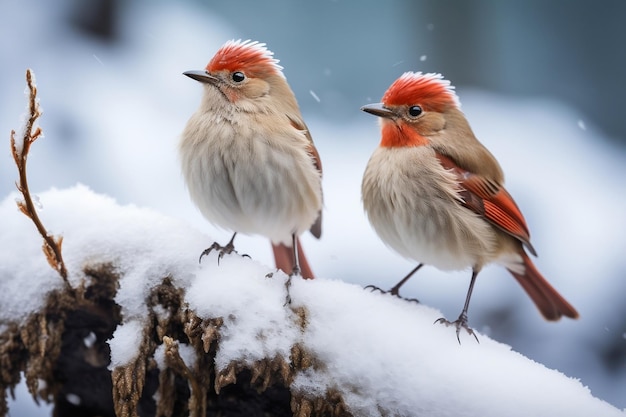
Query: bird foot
[296,273]
[394,291]
[460,323]
[223,250]
[288,296]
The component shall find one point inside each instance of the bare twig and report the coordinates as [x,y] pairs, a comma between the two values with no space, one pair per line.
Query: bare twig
[52,244]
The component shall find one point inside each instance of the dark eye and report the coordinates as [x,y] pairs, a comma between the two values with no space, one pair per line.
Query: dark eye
[238,77]
[415,111]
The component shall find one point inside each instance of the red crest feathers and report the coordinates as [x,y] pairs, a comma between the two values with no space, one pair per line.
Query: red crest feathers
[430,91]
[252,58]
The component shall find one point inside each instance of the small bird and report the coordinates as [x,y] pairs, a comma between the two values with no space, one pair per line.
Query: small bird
[435,194]
[248,158]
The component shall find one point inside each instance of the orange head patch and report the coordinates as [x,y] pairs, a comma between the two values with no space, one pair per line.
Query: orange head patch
[430,91]
[251,58]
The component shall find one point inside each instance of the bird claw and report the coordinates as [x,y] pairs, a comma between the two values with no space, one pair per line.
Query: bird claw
[288,296]
[294,273]
[394,291]
[287,284]
[375,288]
[223,250]
[460,323]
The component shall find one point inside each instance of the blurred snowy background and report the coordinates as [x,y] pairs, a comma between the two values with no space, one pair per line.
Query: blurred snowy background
[541,83]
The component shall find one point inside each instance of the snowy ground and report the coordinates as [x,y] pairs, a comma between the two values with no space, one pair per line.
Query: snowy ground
[112,122]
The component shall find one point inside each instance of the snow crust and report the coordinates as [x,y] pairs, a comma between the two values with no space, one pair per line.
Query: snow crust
[126,338]
[383,354]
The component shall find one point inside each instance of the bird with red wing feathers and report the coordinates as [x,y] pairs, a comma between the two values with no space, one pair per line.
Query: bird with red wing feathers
[436,195]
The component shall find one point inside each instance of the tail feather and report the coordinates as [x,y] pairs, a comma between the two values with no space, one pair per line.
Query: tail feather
[283,256]
[550,303]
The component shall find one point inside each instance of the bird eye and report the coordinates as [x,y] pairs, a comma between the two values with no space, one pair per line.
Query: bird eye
[238,77]
[415,111]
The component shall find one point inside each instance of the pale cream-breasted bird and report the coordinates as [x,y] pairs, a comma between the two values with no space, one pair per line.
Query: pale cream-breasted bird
[436,195]
[247,156]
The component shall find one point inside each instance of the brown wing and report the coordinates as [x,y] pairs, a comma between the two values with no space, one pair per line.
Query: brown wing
[490,200]
[316,228]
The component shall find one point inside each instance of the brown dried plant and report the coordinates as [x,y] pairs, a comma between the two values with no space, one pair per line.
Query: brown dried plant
[52,244]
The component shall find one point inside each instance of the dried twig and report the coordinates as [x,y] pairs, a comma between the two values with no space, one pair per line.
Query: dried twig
[52,244]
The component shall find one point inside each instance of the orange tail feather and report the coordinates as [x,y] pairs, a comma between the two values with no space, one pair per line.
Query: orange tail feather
[283,256]
[550,303]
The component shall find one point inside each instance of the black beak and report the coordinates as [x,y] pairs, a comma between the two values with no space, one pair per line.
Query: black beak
[202,76]
[378,109]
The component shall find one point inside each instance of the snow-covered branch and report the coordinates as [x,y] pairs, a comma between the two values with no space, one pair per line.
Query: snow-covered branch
[185,335]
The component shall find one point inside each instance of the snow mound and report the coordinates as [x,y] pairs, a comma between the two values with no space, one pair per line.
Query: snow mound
[383,355]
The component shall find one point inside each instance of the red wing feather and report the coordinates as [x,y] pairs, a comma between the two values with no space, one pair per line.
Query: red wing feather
[492,201]
[502,210]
